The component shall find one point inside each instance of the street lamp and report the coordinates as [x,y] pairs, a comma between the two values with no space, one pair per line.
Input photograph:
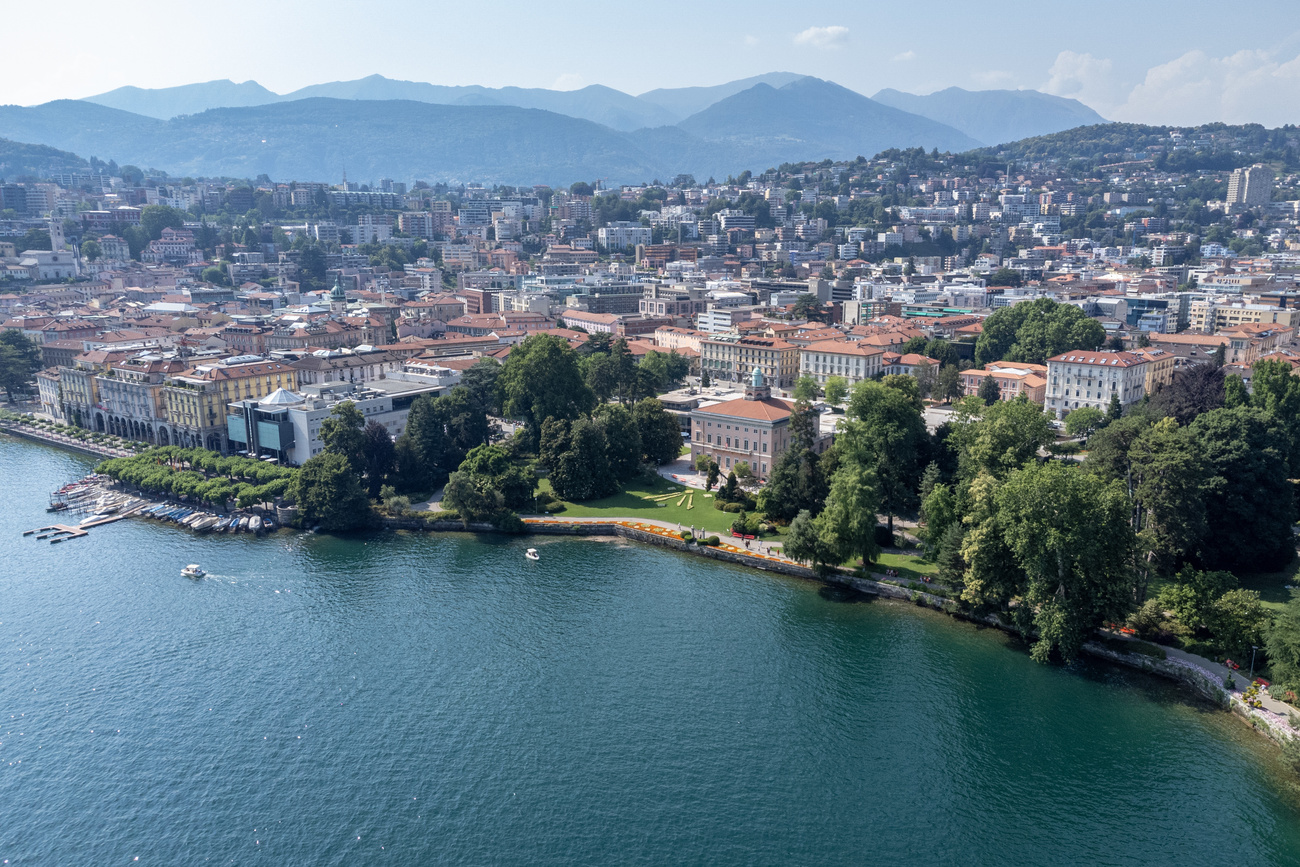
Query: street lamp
[1253,648]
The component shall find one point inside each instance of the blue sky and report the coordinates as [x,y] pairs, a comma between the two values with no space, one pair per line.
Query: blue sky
[1157,62]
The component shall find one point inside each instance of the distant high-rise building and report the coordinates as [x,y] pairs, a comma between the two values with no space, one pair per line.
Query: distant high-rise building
[1250,186]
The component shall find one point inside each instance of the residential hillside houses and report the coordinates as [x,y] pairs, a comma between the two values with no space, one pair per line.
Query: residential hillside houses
[164,331]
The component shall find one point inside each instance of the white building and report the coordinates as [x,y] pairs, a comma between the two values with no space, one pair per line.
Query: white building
[622,235]
[852,361]
[1082,378]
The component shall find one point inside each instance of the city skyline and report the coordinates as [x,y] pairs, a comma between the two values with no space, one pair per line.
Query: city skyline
[1130,64]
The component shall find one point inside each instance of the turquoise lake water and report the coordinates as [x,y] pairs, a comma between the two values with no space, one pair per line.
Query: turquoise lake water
[439,699]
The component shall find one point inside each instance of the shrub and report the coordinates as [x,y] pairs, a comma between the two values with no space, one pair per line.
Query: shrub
[733,508]
[686,536]
[712,541]
[509,522]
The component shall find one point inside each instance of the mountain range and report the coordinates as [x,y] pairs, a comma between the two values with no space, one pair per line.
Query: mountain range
[376,126]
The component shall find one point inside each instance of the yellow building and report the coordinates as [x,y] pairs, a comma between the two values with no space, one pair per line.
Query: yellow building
[1160,367]
[194,402]
[1209,316]
[732,358]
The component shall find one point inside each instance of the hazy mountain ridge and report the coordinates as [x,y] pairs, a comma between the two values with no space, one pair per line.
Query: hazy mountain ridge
[995,116]
[467,133]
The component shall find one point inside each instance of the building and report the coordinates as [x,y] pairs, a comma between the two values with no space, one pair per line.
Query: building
[195,400]
[1209,316]
[1250,187]
[1160,367]
[1081,378]
[850,360]
[727,357]
[286,426]
[622,235]
[754,429]
[1012,379]
[130,398]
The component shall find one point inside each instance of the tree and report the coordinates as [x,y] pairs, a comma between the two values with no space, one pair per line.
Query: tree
[803,543]
[1193,391]
[1238,621]
[796,483]
[806,389]
[808,306]
[1005,277]
[329,494]
[1249,502]
[712,478]
[847,524]
[836,389]
[1034,331]
[942,352]
[155,218]
[704,379]
[91,250]
[541,379]
[581,470]
[480,381]
[488,483]
[341,433]
[1165,479]
[1282,640]
[947,384]
[661,435]
[745,475]
[727,493]
[924,374]
[886,433]
[20,358]
[1003,438]
[1083,421]
[1070,536]
[622,438]
[379,456]
[989,391]
[664,370]
[1143,340]
[1191,594]
[1219,353]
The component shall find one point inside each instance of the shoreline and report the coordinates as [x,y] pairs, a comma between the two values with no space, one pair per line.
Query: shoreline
[1195,673]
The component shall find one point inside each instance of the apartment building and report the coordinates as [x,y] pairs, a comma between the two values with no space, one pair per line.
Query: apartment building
[1081,378]
[852,360]
[1012,379]
[731,358]
[195,400]
[1210,316]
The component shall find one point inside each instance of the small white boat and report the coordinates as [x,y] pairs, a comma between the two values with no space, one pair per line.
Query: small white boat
[255,524]
[204,524]
[532,554]
[92,519]
[193,571]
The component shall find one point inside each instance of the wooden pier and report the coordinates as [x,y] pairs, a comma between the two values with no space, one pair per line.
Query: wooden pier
[62,532]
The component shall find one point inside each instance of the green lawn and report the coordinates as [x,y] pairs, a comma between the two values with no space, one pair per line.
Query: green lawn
[1271,586]
[631,503]
[909,567]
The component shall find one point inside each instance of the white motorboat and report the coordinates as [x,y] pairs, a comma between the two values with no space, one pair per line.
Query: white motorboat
[204,524]
[255,524]
[532,554]
[193,571]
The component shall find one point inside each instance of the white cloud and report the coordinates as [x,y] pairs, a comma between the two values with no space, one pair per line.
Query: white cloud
[751,40]
[1246,87]
[906,55]
[1091,80]
[834,36]
[569,81]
